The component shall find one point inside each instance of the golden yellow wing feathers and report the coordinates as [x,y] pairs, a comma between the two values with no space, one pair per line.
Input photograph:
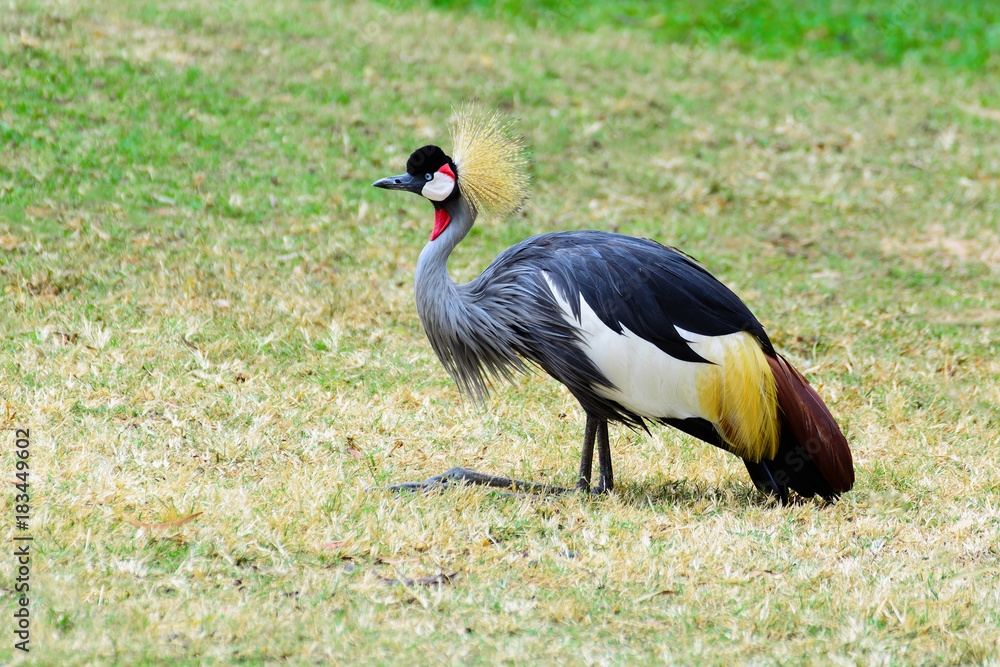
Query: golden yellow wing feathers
[739,396]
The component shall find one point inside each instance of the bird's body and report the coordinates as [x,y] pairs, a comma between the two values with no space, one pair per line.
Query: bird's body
[636,330]
[626,359]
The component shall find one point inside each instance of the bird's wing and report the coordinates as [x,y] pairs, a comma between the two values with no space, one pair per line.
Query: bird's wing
[638,284]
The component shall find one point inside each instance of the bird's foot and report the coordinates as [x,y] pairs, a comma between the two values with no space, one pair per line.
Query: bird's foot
[602,488]
[457,476]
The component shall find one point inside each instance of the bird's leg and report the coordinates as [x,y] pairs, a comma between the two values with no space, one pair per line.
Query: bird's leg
[587,458]
[607,476]
[465,476]
[596,429]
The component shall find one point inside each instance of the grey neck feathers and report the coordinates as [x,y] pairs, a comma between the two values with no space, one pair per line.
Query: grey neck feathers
[471,343]
[432,267]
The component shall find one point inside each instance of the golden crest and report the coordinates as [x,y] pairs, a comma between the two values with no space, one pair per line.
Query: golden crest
[491,160]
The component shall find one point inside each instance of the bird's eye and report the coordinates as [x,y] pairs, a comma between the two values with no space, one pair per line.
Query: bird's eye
[429,176]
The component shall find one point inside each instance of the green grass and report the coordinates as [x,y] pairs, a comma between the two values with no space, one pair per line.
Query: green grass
[953,33]
[206,308]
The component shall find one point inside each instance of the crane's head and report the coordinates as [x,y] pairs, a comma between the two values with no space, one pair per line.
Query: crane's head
[489,169]
[429,173]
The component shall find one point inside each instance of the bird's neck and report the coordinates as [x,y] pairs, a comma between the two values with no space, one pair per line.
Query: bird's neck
[443,306]
[432,267]
[460,327]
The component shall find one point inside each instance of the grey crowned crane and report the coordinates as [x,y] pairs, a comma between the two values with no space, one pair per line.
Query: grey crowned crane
[637,331]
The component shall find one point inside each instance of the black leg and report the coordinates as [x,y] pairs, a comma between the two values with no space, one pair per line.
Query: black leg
[607,478]
[587,458]
[596,429]
[466,476]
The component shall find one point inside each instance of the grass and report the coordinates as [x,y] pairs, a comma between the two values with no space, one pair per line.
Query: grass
[954,33]
[207,311]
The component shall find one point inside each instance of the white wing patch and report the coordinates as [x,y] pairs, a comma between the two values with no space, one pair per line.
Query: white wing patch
[712,348]
[648,381]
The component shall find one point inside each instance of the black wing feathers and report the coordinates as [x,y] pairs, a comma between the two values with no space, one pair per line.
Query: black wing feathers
[638,284]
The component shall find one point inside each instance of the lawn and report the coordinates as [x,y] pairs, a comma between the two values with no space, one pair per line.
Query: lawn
[207,324]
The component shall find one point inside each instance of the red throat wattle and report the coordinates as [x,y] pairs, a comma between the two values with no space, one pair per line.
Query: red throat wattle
[441,220]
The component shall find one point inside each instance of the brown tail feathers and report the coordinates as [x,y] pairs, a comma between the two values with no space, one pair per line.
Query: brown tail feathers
[813,456]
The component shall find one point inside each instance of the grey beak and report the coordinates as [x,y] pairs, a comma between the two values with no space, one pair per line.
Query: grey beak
[401,182]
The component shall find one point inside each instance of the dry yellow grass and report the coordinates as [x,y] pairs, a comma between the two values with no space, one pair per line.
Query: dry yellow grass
[207,310]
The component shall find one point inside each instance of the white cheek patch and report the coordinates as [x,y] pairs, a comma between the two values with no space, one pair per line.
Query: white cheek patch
[440,187]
